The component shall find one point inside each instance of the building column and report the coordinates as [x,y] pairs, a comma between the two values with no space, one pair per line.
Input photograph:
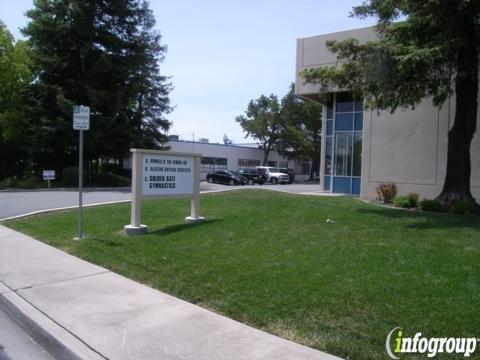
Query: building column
[323,147]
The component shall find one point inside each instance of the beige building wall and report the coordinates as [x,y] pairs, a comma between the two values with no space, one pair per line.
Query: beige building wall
[408,147]
[312,52]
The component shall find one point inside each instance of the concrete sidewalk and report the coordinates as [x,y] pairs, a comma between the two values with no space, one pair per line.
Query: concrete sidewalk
[79,310]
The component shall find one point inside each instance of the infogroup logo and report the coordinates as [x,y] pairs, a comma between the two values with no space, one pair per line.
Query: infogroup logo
[430,346]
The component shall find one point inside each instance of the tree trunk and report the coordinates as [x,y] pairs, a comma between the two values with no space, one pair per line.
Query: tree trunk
[315,168]
[457,180]
[266,152]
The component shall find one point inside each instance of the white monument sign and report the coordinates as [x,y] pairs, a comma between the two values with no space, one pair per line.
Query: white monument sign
[163,174]
[167,174]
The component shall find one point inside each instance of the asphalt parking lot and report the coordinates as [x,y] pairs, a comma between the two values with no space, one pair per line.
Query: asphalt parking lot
[17,203]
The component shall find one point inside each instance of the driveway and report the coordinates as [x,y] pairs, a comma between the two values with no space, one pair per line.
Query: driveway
[15,203]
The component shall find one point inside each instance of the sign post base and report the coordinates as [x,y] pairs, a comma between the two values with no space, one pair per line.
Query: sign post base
[191,219]
[131,230]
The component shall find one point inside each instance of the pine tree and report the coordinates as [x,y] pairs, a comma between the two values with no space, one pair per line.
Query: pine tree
[100,53]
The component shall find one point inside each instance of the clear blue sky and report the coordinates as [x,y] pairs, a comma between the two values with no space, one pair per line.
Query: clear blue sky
[223,53]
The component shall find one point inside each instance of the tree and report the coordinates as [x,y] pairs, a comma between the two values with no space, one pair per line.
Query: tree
[263,122]
[15,77]
[227,140]
[100,53]
[292,126]
[302,129]
[432,53]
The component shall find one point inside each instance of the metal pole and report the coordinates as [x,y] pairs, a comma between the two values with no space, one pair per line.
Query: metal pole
[80,186]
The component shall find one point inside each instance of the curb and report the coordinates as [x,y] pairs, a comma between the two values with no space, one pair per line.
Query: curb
[85,189]
[51,336]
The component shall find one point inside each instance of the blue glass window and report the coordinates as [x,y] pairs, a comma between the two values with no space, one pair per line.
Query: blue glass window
[358,121]
[341,185]
[326,184]
[328,156]
[343,147]
[356,186]
[357,154]
[344,102]
[358,104]
[329,127]
[344,122]
[343,154]
[330,109]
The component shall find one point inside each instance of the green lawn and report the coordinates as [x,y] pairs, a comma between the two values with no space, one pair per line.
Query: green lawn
[270,260]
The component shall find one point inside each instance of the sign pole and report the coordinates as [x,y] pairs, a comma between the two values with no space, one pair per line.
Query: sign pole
[49,175]
[80,185]
[81,122]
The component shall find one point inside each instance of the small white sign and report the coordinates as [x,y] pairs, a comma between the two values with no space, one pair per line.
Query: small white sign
[81,118]
[167,175]
[48,174]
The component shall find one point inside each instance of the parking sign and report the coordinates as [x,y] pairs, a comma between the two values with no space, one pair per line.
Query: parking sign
[48,174]
[81,117]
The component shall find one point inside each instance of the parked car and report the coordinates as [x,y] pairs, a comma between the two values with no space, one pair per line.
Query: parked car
[251,175]
[272,175]
[226,177]
[289,172]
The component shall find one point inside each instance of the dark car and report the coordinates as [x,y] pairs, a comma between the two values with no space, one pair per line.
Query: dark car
[251,175]
[226,177]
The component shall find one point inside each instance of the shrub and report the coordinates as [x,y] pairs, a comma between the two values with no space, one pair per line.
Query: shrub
[463,207]
[70,176]
[431,205]
[9,183]
[402,201]
[112,180]
[31,182]
[107,168]
[386,192]
[414,199]
[406,201]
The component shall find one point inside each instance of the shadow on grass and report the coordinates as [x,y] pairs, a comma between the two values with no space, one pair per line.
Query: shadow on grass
[182,227]
[108,242]
[426,220]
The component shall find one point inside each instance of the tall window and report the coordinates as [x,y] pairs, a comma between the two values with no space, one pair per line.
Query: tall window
[343,154]
[248,163]
[209,164]
[328,155]
[343,143]
[357,154]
